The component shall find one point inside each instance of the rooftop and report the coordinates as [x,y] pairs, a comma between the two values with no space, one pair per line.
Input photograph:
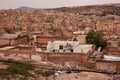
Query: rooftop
[111,58]
[9,36]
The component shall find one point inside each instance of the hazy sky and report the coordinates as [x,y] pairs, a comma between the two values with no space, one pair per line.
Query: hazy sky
[7,4]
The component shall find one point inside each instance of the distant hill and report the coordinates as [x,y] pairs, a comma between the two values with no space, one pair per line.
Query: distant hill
[106,6]
[26,8]
[92,9]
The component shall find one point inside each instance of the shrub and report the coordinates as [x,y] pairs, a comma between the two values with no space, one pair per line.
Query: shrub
[19,68]
[46,73]
[3,72]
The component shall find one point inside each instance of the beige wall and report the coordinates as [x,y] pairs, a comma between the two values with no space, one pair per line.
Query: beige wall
[109,66]
[58,58]
[81,38]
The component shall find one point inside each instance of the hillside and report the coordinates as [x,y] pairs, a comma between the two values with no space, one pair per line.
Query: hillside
[66,19]
[95,9]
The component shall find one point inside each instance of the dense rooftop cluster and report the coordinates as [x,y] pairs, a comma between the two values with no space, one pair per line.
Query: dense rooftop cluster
[71,18]
[62,39]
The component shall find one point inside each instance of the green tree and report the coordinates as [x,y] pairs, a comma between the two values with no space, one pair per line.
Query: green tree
[95,37]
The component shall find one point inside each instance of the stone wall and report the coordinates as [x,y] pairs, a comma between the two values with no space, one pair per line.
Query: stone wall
[20,55]
[58,58]
[45,39]
[108,66]
[66,59]
[62,58]
[114,51]
[20,40]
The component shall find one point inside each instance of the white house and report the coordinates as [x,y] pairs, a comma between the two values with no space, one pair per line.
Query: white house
[68,46]
[83,48]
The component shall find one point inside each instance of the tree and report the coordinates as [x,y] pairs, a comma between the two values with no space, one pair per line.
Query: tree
[95,37]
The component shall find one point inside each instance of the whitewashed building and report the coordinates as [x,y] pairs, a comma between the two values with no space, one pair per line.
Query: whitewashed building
[69,46]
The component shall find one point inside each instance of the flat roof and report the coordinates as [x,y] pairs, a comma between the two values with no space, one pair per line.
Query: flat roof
[7,47]
[111,58]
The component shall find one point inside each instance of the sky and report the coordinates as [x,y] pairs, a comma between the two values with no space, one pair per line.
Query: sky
[12,4]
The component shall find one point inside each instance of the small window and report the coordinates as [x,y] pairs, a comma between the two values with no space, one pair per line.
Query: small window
[61,47]
[53,50]
[71,50]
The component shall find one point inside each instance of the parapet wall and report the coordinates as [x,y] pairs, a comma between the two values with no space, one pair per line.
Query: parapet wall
[59,58]
[19,55]
[108,66]
[62,58]
[46,39]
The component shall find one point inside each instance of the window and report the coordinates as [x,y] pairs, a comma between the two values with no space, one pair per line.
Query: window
[71,50]
[61,47]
